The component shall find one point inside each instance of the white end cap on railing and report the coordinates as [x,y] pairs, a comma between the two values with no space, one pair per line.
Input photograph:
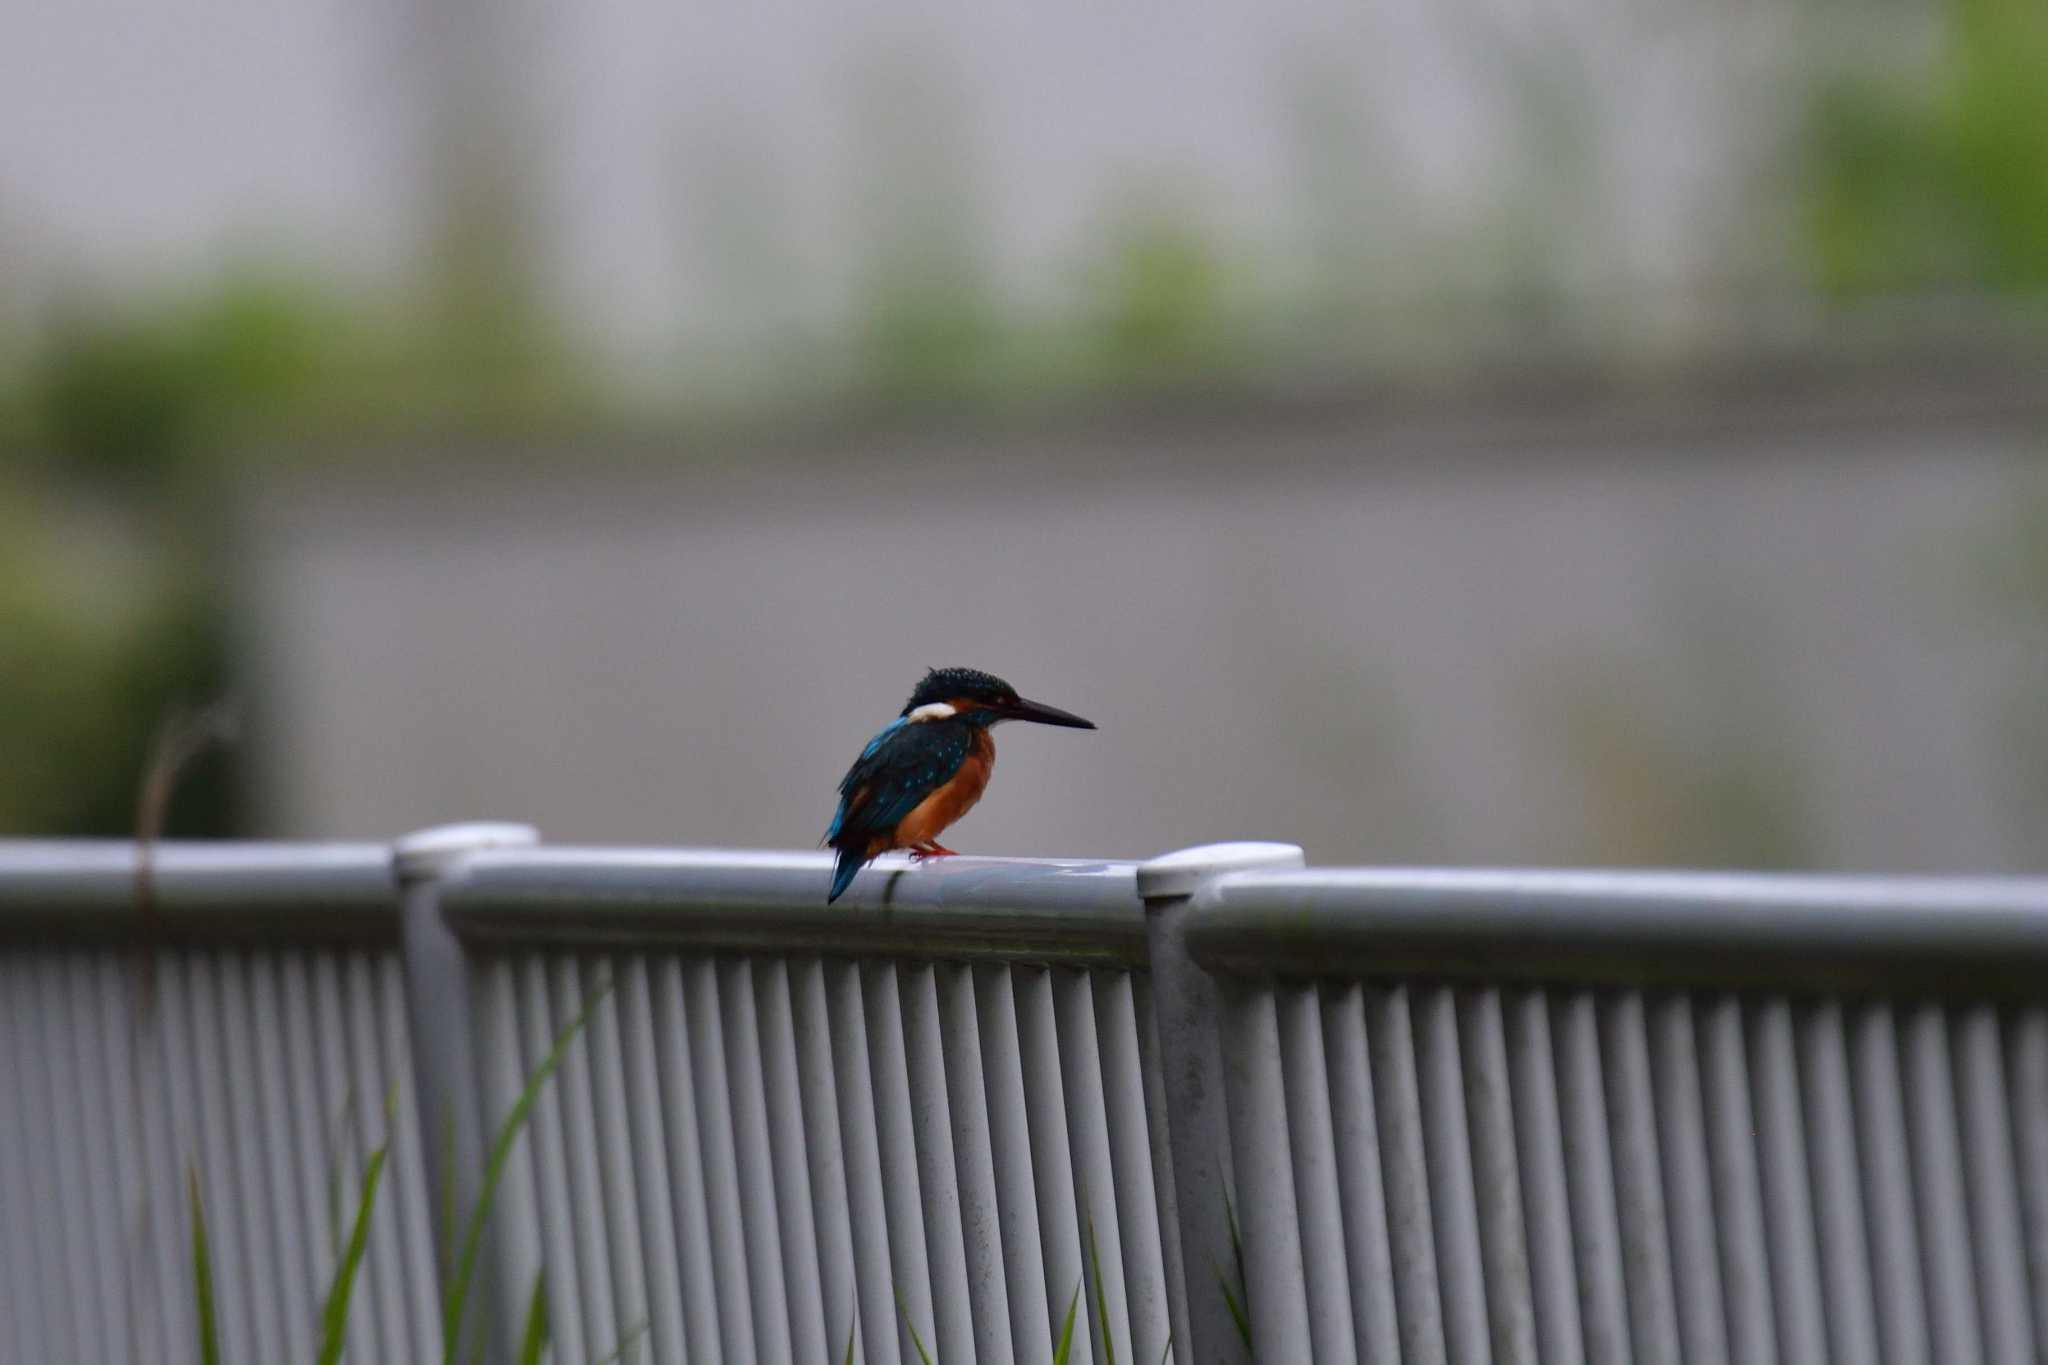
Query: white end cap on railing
[428,853]
[1180,873]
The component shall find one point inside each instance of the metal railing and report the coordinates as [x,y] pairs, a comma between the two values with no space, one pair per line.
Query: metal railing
[1243,1107]
[1611,1117]
[240,1039]
[923,1109]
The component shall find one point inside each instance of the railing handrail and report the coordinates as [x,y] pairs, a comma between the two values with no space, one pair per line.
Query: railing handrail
[200,891]
[1053,910]
[1794,932]
[1791,931]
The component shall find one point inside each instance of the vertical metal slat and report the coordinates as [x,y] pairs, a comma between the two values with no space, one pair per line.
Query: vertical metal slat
[1376,1326]
[623,1194]
[2026,1059]
[737,1257]
[66,1236]
[1596,1222]
[89,1084]
[310,1126]
[1447,1144]
[233,1278]
[756,1161]
[1831,1146]
[824,1150]
[179,1155]
[717,1321]
[410,1199]
[673,1294]
[1165,1190]
[168,1151]
[953,1302]
[1397,1097]
[250,1113]
[1688,1184]
[1887,1186]
[127,1116]
[1993,1187]
[1260,1151]
[1546,1200]
[556,1223]
[967,1091]
[1936,1146]
[1305,1080]
[867,1202]
[901,1189]
[2027,1067]
[743,1081]
[1033,1317]
[794,1201]
[1130,1150]
[1059,1223]
[1639,1188]
[1788,1200]
[1738,1191]
[30,1309]
[514,1229]
[1497,1184]
[1094,1168]
[290,1219]
[572,1100]
[381,1272]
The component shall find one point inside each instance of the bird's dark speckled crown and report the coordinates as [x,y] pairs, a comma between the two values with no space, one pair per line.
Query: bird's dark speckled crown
[944,684]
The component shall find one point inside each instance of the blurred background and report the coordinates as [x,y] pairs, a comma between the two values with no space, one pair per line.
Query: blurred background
[1549,432]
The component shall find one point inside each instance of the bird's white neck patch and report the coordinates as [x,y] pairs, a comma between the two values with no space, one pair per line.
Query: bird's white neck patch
[935,710]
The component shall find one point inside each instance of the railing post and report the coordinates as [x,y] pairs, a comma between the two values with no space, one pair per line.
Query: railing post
[1186,1006]
[443,1031]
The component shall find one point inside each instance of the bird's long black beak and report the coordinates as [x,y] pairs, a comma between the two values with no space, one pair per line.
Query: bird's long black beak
[1044,715]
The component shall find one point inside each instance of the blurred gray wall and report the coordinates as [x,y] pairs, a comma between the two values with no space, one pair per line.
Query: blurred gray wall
[1754,632]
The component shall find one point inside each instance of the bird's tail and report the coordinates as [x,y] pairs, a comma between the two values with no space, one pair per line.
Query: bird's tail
[842,875]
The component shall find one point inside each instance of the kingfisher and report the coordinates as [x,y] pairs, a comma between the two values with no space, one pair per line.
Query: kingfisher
[926,768]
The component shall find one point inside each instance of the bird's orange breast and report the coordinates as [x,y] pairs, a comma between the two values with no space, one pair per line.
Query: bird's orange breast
[951,799]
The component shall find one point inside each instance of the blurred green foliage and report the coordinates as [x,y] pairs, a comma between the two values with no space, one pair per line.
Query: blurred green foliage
[94,651]
[122,436]
[931,333]
[146,392]
[1938,177]
[1161,299]
[113,554]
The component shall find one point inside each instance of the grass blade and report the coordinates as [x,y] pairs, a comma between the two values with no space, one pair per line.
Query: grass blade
[338,1143]
[1237,1314]
[849,1343]
[1064,1345]
[633,1334]
[1101,1296]
[202,1278]
[915,1339]
[494,1172]
[1231,1301]
[334,1317]
[445,1253]
[535,1343]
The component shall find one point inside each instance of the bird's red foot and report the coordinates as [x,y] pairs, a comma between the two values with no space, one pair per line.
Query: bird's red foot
[923,851]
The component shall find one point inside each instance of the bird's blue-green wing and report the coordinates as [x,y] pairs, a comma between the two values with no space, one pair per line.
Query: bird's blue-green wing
[899,768]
